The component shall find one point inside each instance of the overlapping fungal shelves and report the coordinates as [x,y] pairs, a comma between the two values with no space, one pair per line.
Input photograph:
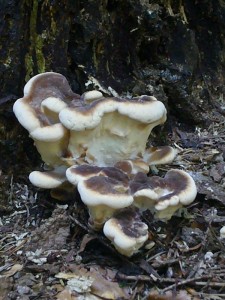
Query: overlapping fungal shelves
[98,145]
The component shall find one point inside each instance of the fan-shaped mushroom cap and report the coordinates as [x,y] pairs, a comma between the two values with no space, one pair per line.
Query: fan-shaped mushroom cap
[48,179]
[75,174]
[132,166]
[45,95]
[91,96]
[109,130]
[126,231]
[159,155]
[163,195]
[104,190]
[70,129]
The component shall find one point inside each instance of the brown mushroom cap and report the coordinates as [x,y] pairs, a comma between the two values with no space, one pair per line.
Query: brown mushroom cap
[103,190]
[109,130]
[45,95]
[159,155]
[132,166]
[75,174]
[70,129]
[126,231]
[163,195]
[48,179]
[91,96]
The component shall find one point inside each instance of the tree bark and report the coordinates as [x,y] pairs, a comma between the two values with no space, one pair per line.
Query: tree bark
[171,49]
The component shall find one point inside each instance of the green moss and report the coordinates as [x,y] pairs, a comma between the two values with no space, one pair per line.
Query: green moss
[29,64]
[39,54]
[36,45]
[53,24]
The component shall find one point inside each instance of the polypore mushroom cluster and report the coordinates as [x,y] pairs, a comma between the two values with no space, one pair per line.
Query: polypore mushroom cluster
[98,144]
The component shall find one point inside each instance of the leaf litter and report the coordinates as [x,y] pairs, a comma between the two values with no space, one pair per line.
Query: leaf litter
[47,250]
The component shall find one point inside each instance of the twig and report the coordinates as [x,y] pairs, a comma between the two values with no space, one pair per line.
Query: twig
[183,282]
[144,278]
[15,249]
[156,255]
[28,213]
[11,190]
[176,282]
[212,284]
[211,295]
[79,224]
[149,269]
[161,264]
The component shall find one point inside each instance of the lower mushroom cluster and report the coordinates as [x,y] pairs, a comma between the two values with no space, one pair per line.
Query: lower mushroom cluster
[115,200]
[98,144]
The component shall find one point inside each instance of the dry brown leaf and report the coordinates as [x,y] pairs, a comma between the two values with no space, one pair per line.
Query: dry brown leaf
[62,275]
[105,288]
[66,294]
[98,281]
[13,270]
[86,239]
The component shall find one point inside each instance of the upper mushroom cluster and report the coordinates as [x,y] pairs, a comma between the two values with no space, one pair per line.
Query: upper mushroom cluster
[99,145]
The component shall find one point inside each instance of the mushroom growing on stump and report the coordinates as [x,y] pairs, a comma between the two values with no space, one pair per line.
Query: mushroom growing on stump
[107,130]
[126,231]
[98,145]
[55,180]
[69,129]
[103,189]
[164,196]
[45,95]
[49,179]
[155,156]
[132,166]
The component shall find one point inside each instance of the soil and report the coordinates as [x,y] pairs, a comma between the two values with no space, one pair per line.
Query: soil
[49,252]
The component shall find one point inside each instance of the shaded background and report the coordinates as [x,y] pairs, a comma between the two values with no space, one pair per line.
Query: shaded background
[173,50]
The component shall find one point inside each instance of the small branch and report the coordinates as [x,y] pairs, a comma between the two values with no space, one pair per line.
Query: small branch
[212,284]
[176,282]
[185,281]
[85,228]
[144,278]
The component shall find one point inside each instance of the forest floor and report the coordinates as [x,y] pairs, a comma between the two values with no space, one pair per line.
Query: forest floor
[48,252]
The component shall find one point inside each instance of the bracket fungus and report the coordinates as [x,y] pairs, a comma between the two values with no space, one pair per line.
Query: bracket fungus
[45,95]
[70,129]
[48,179]
[126,231]
[103,189]
[164,196]
[107,130]
[98,145]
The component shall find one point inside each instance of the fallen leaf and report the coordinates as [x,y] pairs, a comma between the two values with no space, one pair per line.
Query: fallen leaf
[104,288]
[80,284]
[94,281]
[13,270]
[66,294]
